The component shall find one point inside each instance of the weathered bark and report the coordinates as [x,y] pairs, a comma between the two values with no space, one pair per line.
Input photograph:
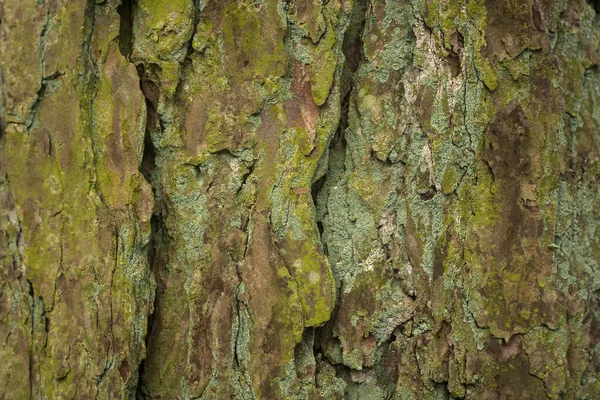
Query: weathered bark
[299,199]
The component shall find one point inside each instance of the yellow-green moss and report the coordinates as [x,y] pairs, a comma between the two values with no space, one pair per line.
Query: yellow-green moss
[253,43]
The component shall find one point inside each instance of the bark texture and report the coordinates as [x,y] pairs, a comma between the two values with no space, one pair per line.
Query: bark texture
[299,199]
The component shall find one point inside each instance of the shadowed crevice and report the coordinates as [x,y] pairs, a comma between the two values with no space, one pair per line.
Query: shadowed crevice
[353,44]
[147,168]
[125,40]
[352,48]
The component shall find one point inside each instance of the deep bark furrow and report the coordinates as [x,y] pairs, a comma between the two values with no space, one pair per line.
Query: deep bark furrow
[338,199]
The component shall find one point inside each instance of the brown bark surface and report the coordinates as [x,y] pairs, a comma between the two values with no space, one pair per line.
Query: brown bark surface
[264,199]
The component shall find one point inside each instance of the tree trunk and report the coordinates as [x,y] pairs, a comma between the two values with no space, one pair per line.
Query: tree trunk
[301,199]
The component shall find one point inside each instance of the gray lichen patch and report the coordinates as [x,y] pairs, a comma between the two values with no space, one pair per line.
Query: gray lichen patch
[343,199]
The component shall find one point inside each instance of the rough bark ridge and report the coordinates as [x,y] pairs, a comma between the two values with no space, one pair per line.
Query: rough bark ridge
[299,199]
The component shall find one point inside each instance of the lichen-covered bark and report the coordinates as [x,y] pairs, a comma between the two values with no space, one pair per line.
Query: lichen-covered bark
[343,199]
[75,288]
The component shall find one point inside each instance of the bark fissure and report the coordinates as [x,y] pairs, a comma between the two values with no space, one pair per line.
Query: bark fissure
[352,49]
[147,168]
[88,93]
[32,335]
[125,39]
[299,199]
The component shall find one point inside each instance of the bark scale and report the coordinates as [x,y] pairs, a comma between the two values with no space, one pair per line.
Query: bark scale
[299,199]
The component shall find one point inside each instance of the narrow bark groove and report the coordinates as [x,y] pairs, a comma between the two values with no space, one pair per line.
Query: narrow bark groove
[125,11]
[147,168]
[285,199]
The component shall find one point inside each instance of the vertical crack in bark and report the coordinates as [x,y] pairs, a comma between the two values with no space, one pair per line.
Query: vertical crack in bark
[244,318]
[34,111]
[32,314]
[3,122]
[16,251]
[125,10]
[197,10]
[353,39]
[109,358]
[39,320]
[353,51]
[88,90]
[147,168]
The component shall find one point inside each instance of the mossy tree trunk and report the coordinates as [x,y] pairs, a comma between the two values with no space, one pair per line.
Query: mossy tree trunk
[299,199]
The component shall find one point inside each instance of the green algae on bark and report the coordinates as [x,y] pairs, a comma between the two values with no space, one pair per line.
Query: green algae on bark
[294,199]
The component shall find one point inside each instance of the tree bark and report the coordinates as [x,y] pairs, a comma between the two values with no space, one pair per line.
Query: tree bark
[343,199]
